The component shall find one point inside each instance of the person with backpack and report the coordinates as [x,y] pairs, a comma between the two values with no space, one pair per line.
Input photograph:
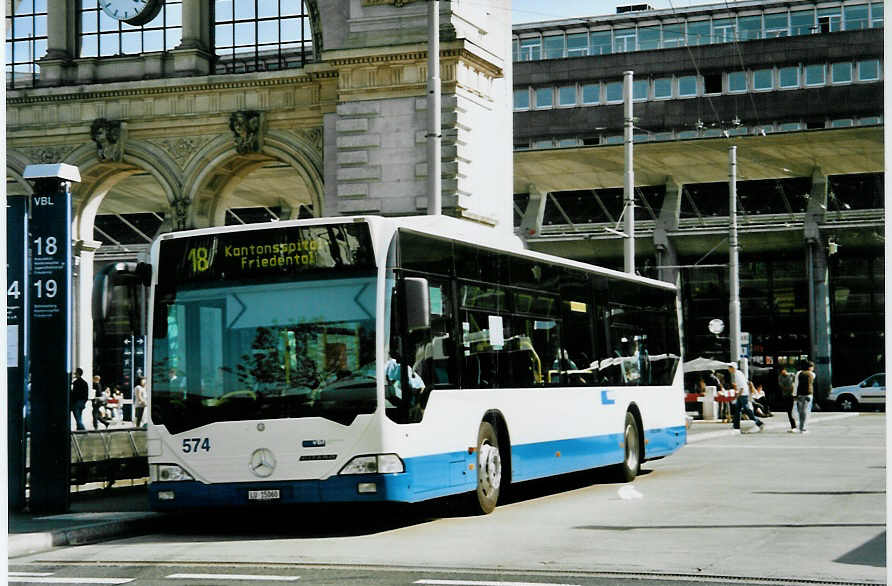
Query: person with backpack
[803,390]
[786,382]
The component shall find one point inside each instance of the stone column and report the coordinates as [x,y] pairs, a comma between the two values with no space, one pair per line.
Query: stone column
[61,46]
[85,250]
[375,159]
[192,55]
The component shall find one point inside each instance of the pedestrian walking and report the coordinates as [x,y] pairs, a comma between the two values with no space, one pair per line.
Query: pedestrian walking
[803,390]
[80,392]
[139,399]
[742,403]
[786,382]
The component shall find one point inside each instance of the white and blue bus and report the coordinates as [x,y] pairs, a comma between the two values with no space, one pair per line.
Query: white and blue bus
[397,359]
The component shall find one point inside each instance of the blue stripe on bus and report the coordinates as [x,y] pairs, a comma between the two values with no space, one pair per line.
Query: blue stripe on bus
[426,477]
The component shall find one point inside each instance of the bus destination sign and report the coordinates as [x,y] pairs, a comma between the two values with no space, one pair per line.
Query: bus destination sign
[263,254]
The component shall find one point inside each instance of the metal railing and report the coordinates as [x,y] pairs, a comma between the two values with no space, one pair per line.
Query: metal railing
[108,456]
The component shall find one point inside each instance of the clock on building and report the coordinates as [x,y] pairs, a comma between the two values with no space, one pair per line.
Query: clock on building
[135,12]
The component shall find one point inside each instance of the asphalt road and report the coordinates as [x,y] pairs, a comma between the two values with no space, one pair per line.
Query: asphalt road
[768,508]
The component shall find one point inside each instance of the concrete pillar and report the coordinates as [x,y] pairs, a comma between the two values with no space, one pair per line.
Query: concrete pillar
[531,223]
[667,221]
[818,276]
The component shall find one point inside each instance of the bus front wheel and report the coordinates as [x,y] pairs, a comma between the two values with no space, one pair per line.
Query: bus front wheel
[631,464]
[489,468]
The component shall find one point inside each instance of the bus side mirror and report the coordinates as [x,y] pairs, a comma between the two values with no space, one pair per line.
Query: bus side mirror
[418,305]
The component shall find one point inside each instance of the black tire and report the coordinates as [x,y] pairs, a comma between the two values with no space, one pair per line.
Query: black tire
[847,403]
[489,469]
[631,464]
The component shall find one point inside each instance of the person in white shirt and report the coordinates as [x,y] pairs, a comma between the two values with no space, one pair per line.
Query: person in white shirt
[742,403]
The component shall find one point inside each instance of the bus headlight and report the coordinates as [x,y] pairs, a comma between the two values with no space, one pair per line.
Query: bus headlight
[374,464]
[168,473]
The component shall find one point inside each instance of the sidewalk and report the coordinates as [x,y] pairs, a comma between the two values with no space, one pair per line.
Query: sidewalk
[98,515]
[95,515]
[704,430]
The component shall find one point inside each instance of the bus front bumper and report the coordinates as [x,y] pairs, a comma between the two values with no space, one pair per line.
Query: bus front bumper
[349,488]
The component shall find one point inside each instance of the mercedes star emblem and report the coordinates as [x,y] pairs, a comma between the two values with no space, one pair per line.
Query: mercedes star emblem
[262,462]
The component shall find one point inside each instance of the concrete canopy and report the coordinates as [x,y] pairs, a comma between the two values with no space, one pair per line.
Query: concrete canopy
[795,154]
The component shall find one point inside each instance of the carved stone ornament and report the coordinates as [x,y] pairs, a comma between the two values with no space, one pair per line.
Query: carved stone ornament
[247,131]
[180,213]
[109,136]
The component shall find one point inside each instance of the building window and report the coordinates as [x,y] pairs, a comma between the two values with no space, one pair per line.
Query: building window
[856,17]
[591,93]
[544,98]
[723,30]
[712,83]
[829,20]
[688,134]
[876,15]
[543,144]
[522,99]
[261,35]
[648,38]
[749,27]
[530,49]
[102,36]
[841,72]
[790,126]
[802,22]
[868,70]
[869,121]
[624,40]
[577,45]
[662,88]
[673,35]
[601,43]
[567,95]
[554,47]
[639,89]
[698,32]
[762,80]
[776,25]
[788,77]
[841,123]
[614,92]
[687,86]
[815,75]
[25,42]
[737,81]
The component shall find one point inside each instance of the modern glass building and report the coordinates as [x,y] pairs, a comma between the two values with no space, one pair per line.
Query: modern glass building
[797,86]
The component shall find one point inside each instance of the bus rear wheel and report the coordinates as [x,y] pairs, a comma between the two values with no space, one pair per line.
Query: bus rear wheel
[489,469]
[631,464]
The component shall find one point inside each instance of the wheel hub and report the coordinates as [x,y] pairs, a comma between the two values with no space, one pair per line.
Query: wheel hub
[490,464]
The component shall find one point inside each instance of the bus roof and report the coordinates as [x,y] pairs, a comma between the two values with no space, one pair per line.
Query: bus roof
[438,226]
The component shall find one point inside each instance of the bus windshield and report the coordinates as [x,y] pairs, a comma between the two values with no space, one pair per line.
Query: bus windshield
[298,343]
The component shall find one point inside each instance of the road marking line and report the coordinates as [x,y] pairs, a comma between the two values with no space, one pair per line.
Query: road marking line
[787,447]
[31,573]
[481,583]
[258,577]
[58,580]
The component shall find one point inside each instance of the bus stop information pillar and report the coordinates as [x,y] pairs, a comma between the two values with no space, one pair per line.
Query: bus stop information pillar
[50,329]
